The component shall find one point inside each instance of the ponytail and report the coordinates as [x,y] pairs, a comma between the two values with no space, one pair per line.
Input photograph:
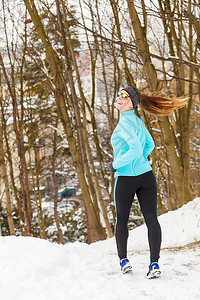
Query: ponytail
[160,106]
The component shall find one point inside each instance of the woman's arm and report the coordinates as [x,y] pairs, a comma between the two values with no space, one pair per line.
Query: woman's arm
[126,131]
[149,143]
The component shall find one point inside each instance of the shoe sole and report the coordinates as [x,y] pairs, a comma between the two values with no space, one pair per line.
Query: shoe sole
[155,274]
[127,270]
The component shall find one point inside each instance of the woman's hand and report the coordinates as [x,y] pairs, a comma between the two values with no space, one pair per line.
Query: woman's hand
[112,170]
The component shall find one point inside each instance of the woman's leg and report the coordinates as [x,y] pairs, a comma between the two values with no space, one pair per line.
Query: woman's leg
[147,197]
[123,195]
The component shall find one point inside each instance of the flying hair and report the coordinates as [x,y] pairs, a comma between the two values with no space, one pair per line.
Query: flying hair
[158,105]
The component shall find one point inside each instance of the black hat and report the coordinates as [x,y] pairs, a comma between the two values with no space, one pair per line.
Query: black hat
[133,95]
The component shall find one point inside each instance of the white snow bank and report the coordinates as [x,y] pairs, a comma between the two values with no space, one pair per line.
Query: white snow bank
[179,228]
[32,268]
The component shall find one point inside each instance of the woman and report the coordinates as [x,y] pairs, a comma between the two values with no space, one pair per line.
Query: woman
[132,143]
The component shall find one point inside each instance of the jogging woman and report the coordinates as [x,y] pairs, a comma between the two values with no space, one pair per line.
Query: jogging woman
[132,143]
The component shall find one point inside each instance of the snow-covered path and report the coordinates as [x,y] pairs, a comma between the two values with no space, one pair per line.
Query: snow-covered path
[35,269]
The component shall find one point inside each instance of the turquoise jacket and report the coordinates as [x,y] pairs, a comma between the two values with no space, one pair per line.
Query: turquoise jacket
[131,143]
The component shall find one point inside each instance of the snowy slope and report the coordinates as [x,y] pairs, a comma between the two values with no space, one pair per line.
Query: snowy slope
[31,268]
[179,228]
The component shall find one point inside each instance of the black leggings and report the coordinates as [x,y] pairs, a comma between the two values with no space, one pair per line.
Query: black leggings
[144,186]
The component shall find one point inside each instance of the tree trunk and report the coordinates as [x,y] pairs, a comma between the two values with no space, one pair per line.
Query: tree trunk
[183,117]
[39,200]
[9,159]
[85,137]
[60,235]
[129,77]
[5,179]
[21,153]
[143,50]
[89,157]
[175,163]
[143,47]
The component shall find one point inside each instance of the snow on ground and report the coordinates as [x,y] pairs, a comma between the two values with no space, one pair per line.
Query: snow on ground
[36,269]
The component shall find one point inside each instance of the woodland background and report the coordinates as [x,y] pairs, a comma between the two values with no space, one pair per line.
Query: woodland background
[61,65]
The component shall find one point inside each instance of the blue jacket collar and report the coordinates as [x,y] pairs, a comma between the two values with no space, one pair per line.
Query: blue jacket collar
[128,112]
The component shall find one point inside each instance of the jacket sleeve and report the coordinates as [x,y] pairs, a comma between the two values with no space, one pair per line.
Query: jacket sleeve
[126,132]
[149,143]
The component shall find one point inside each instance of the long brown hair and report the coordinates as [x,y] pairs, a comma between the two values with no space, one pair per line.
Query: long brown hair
[160,106]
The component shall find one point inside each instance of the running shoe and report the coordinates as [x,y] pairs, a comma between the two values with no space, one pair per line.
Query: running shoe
[125,265]
[154,271]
